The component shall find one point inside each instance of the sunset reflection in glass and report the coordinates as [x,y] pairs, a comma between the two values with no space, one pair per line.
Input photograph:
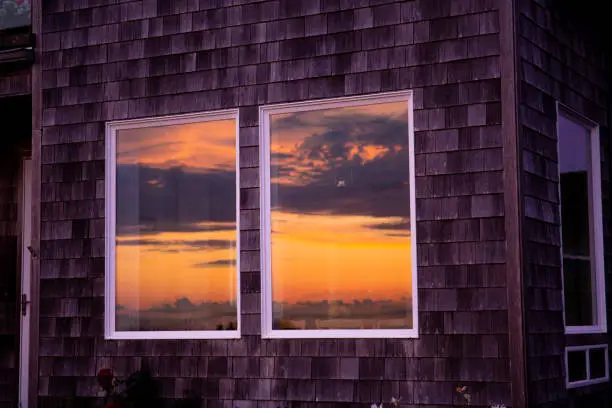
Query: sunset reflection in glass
[176,227]
[341,242]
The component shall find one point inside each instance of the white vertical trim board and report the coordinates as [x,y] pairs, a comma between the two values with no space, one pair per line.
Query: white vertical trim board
[588,380]
[110,331]
[265,203]
[26,279]
[596,225]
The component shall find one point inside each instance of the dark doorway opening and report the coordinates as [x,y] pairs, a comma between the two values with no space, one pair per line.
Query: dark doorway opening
[15,139]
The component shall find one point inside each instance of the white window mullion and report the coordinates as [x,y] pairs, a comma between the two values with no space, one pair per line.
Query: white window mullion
[587,354]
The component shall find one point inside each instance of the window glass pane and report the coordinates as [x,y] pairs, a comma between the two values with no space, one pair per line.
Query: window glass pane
[15,13]
[578,292]
[340,201]
[176,227]
[574,168]
[575,213]
[597,361]
[576,365]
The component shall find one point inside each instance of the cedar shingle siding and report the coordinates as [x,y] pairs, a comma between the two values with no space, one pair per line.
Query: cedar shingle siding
[555,64]
[147,58]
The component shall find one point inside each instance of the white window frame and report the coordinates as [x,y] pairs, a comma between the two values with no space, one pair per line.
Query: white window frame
[110,333]
[596,227]
[588,381]
[265,197]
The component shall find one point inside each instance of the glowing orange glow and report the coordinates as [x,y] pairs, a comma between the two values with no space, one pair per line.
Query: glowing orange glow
[365,261]
[150,274]
[202,146]
[161,268]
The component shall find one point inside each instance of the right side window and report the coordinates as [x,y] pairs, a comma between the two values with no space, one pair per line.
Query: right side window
[581,224]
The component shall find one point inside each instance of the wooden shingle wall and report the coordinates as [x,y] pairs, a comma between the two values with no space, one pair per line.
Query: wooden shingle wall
[556,63]
[134,59]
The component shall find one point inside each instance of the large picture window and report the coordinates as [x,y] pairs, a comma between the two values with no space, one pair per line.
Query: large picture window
[581,224]
[338,204]
[171,227]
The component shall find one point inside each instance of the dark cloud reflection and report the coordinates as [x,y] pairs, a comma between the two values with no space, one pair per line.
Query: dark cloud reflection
[391,226]
[197,244]
[157,228]
[213,264]
[173,200]
[358,165]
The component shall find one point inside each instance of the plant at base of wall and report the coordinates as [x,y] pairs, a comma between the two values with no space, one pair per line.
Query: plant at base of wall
[136,391]
[467,397]
[394,403]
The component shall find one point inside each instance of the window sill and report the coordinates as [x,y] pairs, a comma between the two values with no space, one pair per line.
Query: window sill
[585,383]
[15,59]
[174,335]
[585,330]
[341,334]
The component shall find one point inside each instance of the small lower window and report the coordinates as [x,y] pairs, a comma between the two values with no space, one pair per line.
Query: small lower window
[586,365]
[171,228]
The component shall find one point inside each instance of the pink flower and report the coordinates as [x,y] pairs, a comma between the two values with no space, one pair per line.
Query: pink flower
[105,379]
